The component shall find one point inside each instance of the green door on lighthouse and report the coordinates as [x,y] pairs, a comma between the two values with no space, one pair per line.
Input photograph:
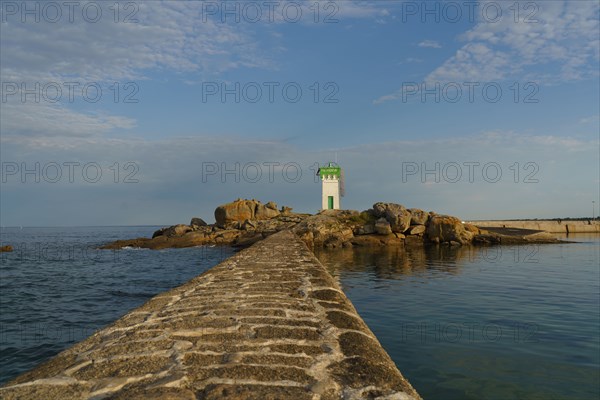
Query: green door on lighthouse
[330,202]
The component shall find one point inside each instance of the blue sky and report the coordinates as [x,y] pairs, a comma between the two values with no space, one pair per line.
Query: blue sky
[387,75]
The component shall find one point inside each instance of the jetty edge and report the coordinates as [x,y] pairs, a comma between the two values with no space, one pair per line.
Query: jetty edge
[267,323]
[245,222]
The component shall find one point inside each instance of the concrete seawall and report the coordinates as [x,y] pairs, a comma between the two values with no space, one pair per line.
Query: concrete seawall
[267,323]
[545,225]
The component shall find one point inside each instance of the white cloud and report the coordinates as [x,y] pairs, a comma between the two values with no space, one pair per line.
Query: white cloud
[171,36]
[474,62]
[565,37]
[485,144]
[430,43]
[562,46]
[168,36]
[590,120]
[50,120]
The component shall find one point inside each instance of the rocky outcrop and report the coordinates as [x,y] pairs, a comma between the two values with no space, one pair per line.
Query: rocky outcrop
[418,216]
[175,230]
[244,222]
[472,228]
[417,229]
[266,211]
[236,211]
[264,220]
[286,210]
[377,240]
[326,229]
[398,217]
[241,210]
[188,239]
[383,227]
[199,222]
[445,228]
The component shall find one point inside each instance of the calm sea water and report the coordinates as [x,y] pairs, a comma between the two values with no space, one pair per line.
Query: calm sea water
[518,322]
[56,289]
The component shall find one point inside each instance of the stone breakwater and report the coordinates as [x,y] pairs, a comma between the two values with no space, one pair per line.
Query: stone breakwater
[267,323]
[554,226]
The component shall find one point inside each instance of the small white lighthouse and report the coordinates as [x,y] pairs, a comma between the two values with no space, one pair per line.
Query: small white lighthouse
[332,185]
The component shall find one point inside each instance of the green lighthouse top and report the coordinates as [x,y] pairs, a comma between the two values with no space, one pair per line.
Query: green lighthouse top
[330,170]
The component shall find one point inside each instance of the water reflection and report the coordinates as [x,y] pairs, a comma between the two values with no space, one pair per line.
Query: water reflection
[482,323]
[397,262]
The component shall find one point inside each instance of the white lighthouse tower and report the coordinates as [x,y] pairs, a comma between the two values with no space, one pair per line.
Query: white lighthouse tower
[332,181]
